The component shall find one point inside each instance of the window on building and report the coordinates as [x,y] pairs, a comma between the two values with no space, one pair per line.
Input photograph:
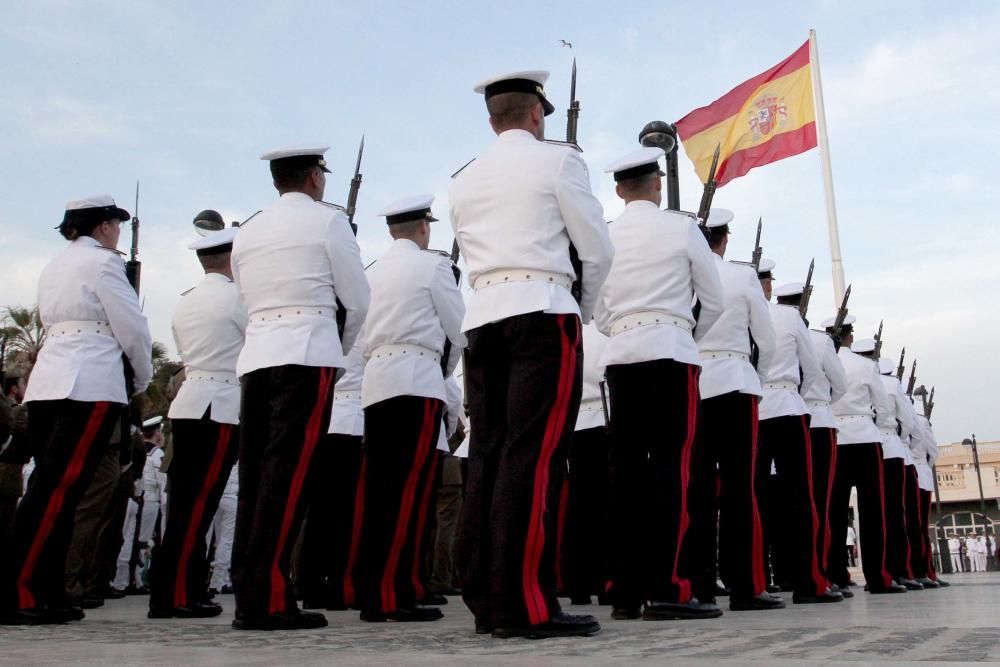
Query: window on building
[951,480]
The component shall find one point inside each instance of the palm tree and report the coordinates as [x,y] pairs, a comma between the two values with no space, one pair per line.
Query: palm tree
[22,332]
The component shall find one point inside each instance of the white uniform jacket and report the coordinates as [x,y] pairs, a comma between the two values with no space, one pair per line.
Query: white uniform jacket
[209,326]
[725,348]
[515,211]
[348,417]
[416,307]
[292,263]
[661,262]
[924,446]
[591,413]
[832,382]
[794,354]
[898,415]
[855,411]
[91,315]
[454,412]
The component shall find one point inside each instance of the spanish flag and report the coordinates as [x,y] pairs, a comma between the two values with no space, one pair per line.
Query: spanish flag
[763,120]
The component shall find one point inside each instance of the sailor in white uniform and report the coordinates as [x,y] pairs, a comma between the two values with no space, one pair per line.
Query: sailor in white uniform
[223,529]
[298,268]
[726,453]
[209,326]
[661,264]
[923,444]
[412,340]
[75,394]
[520,212]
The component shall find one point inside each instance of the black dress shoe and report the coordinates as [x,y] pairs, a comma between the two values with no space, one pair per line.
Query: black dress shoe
[91,601]
[64,614]
[761,602]
[579,599]
[824,597]
[335,605]
[296,620]
[35,616]
[313,603]
[625,613]
[721,591]
[772,589]
[433,600]
[911,584]
[891,588]
[196,610]
[669,611]
[414,614]
[560,625]
[846,592]
[113,593]
[483,626]
[941,583]
[447,590]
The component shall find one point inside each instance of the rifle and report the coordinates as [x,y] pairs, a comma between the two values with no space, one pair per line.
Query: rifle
[455,253]
[877,352]
[902,369]
[352,196]
[659,134]
[758,252]
[133,267]
[930,405]
[604,402]
[573,112]
[807,290]
[913,380]
[837,330]
[133,271]
[709,192]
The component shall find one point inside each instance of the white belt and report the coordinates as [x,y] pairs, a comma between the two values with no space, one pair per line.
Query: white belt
[274,314]
[79,326]
[211,376]
[818,404]
[647,318]
[347,395]
[854,418]
[592,405]
[724,354]
[781,385]
[519,275]
[888,431]
[405,350]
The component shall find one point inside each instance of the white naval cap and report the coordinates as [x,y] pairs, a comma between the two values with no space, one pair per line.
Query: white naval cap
[830,321]
[789,289]
[863,346]
[644,161]
[96,208]
[719,217]
[885,366]
[152,421]
[409,209]
[765,267]
[301,155]
[525,81]
[215,243]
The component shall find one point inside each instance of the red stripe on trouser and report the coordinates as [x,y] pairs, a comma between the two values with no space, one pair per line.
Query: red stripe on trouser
[422,512]
[684,585]
[352,554]
[197,512]
[534,599]
[827,533]
[26,599]
[313,425]
[925,512]
[818,578]
[561,531]
[886,577]
[424,444]
[757,558]
[906,532]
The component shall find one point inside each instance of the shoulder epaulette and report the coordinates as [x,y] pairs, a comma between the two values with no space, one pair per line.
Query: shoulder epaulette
[185,292]
[114,250]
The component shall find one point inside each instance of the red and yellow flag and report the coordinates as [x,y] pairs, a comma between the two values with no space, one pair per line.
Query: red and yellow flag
[763,120]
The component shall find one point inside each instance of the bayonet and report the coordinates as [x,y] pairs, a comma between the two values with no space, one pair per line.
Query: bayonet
[807,290]
[133,267]
[877,352]
[902,369]
[352,196]
[930,405]
[709,192]
[758,252]
[573,113]
[913,380]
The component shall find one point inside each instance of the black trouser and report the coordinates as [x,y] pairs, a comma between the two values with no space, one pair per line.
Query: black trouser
[654,415]
[82,564]
[71,438]
[585,544]
[284,412]
[400,464]
[897,556]
[203,456]
[524,378]
[824,458]
[915,528]
[722,493]
[448,509]
[329,524]
[860,465]
[924,502]
[785,441]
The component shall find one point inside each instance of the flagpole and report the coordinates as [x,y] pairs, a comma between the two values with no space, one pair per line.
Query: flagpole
[836,263]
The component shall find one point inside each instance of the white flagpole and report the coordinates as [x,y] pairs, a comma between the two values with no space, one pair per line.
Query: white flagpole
[836,263]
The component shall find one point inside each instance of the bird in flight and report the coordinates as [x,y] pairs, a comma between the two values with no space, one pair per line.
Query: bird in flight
[565,43]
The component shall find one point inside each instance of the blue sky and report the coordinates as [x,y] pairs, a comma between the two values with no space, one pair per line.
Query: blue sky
[185,96]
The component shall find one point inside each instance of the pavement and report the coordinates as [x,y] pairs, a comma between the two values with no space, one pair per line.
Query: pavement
[955,625]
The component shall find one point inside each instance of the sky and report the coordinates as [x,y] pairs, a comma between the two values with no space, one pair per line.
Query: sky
[184,96]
